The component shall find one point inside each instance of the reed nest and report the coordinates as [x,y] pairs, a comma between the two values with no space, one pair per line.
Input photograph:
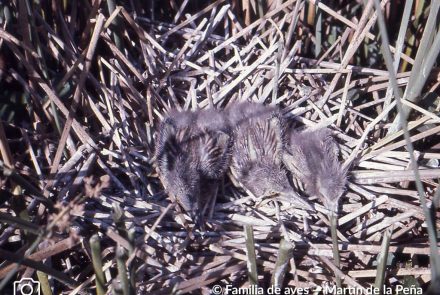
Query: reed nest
[85,85]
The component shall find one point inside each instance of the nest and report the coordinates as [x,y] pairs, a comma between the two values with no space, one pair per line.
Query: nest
[78,161]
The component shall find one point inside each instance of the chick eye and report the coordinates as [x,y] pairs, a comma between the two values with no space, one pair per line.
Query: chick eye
[272,192]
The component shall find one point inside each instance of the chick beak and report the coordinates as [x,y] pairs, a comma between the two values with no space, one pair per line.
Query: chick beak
[198,222]
[296,201]
[330,205]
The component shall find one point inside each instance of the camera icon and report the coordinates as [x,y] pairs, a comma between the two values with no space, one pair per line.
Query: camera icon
[26,286]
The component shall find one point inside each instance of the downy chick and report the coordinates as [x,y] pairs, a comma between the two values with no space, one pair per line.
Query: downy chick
[257,150]
[312,157]
[191,156]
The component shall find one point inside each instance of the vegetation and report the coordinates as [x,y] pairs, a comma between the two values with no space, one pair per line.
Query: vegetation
[85,83]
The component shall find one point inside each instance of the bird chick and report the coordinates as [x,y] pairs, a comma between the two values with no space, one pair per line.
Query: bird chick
[190,155]
[217,143]
[312,157]
[256,152]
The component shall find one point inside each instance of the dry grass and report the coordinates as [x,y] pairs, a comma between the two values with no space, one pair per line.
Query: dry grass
[86,84]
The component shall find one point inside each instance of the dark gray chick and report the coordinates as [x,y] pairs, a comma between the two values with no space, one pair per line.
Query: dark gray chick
[312,157]
[191,155]
[257,150]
